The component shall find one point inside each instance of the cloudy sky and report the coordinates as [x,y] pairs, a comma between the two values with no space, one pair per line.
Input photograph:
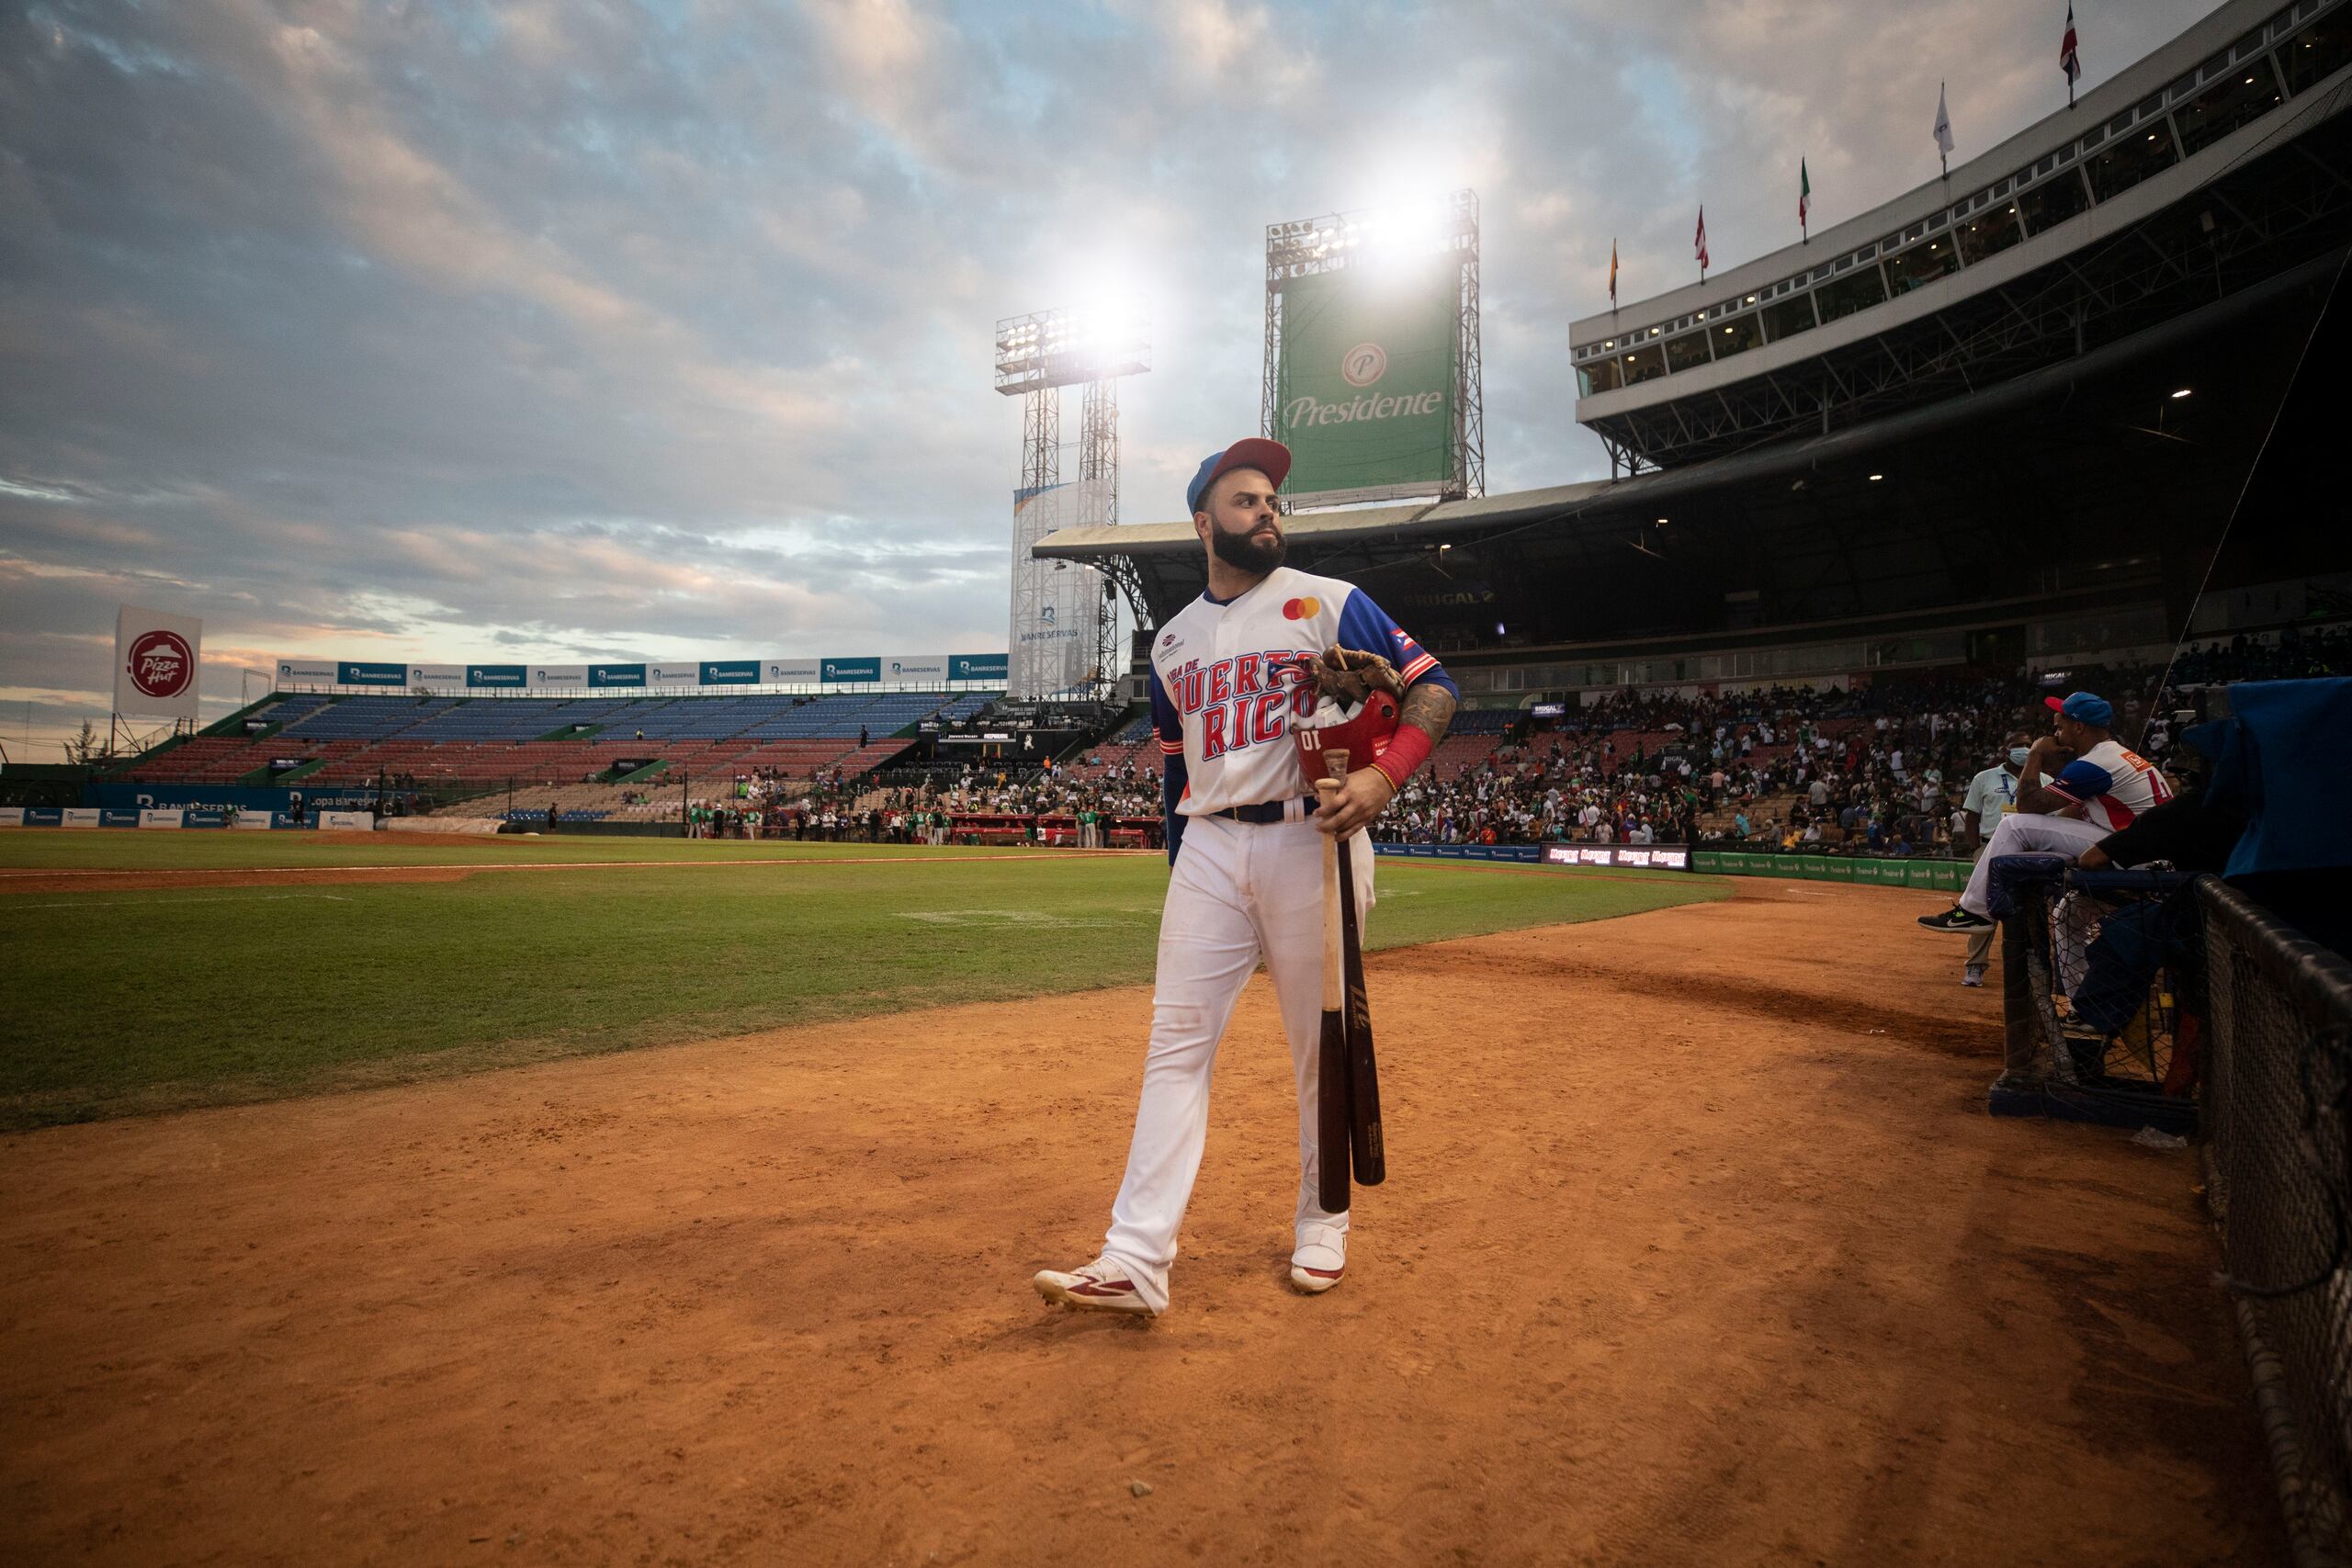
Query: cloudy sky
[565,330]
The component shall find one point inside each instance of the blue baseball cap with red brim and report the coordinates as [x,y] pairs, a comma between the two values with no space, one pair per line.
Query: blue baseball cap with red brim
[2083,709]
[1271,458]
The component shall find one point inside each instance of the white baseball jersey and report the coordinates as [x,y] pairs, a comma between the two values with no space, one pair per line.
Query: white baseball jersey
[1224,696]
[2114,785]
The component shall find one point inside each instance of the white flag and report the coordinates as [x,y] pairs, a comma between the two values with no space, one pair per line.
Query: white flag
[1943,123]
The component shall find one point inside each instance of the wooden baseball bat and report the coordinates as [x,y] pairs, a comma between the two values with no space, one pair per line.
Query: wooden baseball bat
[1331,1052]
[1369,1158]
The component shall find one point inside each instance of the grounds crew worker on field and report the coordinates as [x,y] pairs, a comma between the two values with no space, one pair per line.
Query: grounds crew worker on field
[1230,678]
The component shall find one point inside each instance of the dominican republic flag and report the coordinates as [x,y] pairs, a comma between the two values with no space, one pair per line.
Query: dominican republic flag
[1699,241]
[2069,60]
[1612,274]
[1804,193]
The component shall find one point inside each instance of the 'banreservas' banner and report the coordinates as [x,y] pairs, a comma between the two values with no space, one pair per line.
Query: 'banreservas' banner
[1364,391]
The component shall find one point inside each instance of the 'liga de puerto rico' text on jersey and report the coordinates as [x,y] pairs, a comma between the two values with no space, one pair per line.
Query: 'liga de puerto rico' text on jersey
[2112,784]
[1224,693]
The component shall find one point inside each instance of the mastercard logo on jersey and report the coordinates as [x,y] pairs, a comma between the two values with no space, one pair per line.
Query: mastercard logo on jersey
[1301,609]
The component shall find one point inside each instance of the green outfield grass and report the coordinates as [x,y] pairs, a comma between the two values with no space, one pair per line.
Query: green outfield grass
[137,999]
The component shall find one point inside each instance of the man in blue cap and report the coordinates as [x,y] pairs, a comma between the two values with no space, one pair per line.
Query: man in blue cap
[1232,686]
[2095,787]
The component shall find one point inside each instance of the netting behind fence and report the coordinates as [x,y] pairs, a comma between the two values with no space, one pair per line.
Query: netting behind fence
[2278,1072]
[2102,972]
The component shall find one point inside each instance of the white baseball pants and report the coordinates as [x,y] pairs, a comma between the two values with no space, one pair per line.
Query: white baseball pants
[1239,892]
[2020,832]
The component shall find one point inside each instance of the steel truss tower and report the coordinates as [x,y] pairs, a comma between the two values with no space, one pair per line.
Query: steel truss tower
[1098,460]
[1037,356]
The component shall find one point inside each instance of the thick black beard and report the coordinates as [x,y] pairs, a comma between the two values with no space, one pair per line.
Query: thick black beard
[1244,553]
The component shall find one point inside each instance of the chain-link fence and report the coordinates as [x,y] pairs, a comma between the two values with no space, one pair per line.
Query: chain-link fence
[2278,1077]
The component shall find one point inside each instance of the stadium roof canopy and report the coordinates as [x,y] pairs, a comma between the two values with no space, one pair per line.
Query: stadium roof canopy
[2198,169]
[2002,433]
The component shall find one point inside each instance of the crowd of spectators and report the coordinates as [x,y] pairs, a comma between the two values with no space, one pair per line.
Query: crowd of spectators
[1880,769]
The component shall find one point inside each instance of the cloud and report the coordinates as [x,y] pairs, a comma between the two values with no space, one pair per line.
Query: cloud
[575,330]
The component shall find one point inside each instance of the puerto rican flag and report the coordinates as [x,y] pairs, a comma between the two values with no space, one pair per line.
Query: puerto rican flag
[2070,59]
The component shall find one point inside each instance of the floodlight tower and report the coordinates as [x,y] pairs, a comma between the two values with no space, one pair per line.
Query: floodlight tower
[1064,631]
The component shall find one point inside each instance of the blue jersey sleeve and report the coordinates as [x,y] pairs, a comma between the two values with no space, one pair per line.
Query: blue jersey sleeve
[1166,722]
[1172,790]
[1168,725]
[2081,782]
[1365,624]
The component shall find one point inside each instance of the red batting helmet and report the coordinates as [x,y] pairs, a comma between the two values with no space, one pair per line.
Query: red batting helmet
[1364,734]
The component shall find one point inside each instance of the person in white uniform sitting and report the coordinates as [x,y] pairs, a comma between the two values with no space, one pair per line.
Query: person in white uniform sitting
[2095,787]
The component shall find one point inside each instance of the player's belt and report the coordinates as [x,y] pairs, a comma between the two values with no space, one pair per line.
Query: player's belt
[1265,811]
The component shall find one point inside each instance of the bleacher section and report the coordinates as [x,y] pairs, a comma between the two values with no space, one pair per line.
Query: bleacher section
[1134,744]
[453,746]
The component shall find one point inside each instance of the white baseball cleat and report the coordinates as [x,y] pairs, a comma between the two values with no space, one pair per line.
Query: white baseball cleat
[1101,1286]
[1319,1261]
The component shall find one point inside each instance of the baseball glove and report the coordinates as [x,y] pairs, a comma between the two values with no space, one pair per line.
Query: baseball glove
[1348,676]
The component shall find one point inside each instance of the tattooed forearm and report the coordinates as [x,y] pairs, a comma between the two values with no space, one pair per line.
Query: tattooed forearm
[1429,707]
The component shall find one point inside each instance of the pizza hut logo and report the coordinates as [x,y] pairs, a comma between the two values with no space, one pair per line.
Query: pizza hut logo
[161,664]
[1365,363]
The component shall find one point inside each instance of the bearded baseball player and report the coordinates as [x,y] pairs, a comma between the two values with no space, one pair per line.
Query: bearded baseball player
[1232,675]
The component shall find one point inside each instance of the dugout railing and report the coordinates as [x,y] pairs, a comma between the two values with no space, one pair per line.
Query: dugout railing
[2141,998]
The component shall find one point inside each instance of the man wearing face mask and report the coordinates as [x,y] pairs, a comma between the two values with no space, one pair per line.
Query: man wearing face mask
[1992,794]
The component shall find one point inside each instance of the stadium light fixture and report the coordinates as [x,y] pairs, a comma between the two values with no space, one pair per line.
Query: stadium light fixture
[2182,393]
[1875,477]
[1398,230]
[1070,346]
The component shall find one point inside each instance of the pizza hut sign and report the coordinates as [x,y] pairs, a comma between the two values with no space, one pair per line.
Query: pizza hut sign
[156,660]
[161,664]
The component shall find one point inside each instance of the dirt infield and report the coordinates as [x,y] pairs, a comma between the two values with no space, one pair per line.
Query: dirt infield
[1697,1248]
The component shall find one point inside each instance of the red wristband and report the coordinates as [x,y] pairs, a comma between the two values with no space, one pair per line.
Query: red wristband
[1407,750]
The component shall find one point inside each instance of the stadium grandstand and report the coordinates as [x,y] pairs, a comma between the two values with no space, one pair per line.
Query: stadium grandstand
[592,758]
[2000,423]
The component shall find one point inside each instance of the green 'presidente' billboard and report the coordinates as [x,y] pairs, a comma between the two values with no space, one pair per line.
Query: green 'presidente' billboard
[1365,385]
